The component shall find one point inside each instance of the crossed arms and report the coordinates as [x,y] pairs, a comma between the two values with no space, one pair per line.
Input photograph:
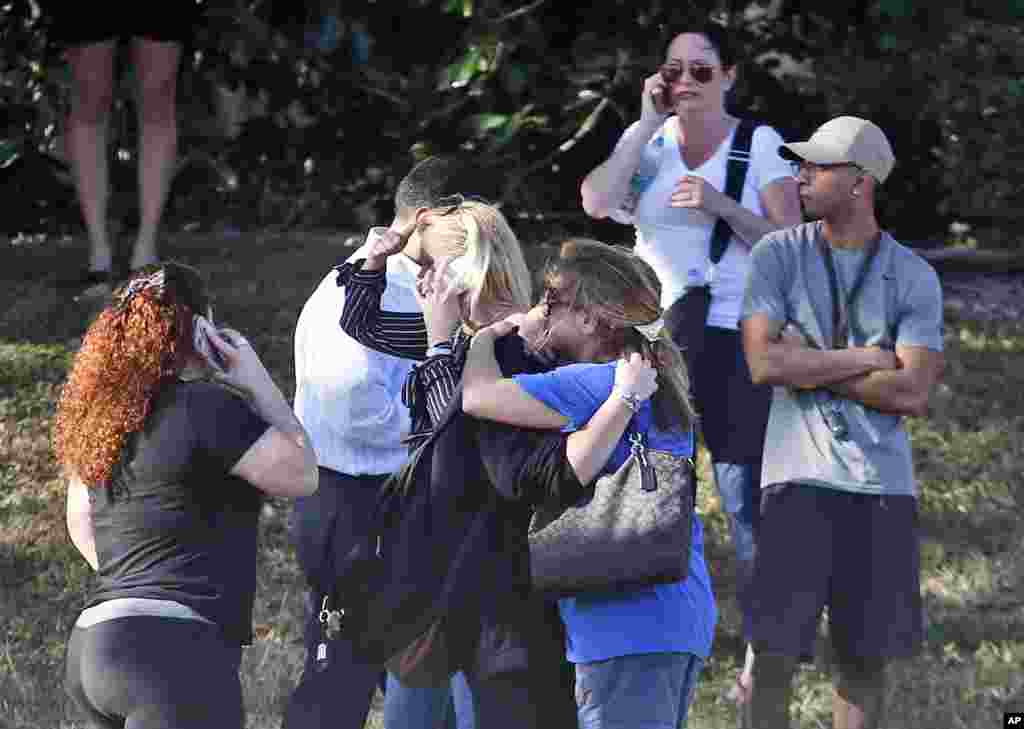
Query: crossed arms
[898,383]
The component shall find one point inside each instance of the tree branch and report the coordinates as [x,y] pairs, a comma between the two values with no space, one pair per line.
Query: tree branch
[515,13]
[587,125]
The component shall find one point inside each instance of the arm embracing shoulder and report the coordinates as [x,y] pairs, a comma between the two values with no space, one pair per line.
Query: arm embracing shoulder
[400,334]
[529,466]
[488,395]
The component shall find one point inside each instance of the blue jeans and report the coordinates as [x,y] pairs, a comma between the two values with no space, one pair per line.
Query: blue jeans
[428,708]
[738,485]
[646,691]
[734,416]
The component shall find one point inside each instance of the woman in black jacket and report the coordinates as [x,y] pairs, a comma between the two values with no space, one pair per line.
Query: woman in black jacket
[491,477]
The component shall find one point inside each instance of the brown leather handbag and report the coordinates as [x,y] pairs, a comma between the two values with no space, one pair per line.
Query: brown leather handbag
[634,528]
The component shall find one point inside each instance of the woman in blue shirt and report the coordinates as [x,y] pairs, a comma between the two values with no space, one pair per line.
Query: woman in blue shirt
[637,654]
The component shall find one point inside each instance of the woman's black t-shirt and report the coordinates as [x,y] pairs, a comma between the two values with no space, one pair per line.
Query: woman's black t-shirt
[174,524]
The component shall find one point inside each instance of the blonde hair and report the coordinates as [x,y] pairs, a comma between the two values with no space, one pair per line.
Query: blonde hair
[491,266]
[621,291]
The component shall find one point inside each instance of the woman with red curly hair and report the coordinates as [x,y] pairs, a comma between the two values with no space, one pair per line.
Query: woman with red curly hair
[169,433]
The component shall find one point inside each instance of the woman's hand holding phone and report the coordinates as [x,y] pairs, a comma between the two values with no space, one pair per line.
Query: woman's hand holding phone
[438,293]
[202,331]
[655,104]
[242,368]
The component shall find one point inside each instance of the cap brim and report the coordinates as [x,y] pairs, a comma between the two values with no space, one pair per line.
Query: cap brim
[811,152]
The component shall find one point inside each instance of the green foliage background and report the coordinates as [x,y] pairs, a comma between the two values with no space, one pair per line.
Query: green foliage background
[334,101]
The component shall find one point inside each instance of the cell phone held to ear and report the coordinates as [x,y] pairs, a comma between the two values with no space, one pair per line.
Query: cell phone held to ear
[663,99]
[669,74]
[201,332]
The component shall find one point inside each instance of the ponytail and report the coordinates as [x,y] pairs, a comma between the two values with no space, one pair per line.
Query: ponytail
[672,404]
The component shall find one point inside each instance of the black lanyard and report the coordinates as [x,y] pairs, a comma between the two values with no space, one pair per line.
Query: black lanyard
[841,312]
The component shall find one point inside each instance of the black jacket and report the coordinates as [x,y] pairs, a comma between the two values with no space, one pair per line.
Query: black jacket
[460,550]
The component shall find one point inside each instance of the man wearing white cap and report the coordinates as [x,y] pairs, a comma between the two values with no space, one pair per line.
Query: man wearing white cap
[847,324]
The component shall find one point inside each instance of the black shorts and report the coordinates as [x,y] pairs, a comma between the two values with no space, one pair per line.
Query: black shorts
[859,554]
[170,21]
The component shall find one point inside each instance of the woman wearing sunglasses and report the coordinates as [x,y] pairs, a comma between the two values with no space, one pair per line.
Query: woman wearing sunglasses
[637,652]
[666,177]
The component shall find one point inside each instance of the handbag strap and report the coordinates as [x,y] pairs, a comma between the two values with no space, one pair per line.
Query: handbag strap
[638,450]
[735,176]
[648,475]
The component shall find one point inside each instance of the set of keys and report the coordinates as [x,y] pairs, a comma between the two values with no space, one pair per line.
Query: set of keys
[330,621]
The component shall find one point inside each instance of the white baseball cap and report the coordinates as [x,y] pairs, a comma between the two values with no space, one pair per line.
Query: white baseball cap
[846,139]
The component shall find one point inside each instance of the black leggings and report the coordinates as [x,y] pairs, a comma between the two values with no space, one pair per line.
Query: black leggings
[143,672]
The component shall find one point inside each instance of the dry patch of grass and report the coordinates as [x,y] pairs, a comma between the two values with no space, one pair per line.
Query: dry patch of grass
[968,454]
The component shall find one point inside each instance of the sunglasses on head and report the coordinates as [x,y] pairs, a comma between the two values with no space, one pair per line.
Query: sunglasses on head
[449,204]
[702,73]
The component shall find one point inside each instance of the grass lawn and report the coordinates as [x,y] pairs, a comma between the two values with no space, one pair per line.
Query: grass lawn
[969,454]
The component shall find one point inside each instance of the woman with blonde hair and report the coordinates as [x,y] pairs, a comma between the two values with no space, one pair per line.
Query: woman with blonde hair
[166,473]
[474,239]
[506,641]
[637,652]
[471,255]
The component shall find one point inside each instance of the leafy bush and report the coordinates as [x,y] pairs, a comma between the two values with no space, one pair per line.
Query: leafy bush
[307,114]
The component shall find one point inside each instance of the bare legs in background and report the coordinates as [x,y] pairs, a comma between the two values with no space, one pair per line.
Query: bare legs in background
[92,70]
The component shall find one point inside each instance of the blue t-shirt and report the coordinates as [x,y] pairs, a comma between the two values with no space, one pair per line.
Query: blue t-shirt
[677,617]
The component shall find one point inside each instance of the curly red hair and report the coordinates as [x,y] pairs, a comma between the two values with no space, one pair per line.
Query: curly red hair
[136,345]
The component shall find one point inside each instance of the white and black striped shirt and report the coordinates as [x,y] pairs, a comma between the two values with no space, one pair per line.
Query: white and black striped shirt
[431,384]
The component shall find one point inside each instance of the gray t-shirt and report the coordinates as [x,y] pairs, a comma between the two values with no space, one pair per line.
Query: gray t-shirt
[900,303]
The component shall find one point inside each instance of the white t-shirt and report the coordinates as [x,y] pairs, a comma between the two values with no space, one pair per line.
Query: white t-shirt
[676,241]
[349,397]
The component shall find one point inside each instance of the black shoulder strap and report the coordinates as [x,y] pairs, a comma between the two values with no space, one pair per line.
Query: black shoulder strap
[735,175]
